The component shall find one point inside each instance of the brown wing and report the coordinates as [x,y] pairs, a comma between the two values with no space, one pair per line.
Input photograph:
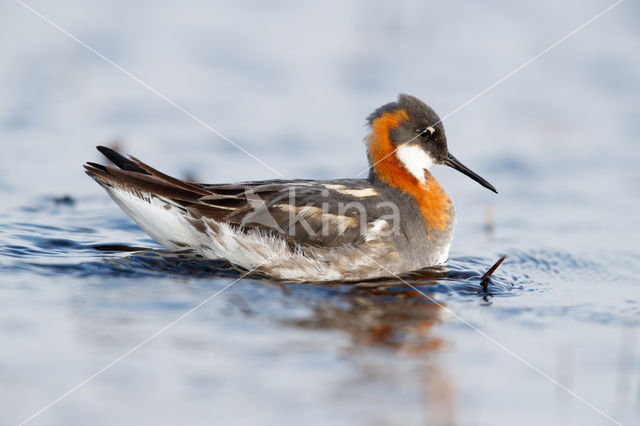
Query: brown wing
[327,213]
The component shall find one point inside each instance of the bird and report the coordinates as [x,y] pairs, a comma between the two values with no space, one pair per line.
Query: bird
[397,220]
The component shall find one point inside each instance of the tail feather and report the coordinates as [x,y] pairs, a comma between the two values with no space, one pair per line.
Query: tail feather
[155,201]
[142,182]
[136,175]
[121,161]
[169,179]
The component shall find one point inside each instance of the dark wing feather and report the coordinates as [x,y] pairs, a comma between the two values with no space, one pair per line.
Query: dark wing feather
[122,162]
[301,211]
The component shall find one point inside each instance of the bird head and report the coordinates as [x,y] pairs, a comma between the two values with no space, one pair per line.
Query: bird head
[409,133]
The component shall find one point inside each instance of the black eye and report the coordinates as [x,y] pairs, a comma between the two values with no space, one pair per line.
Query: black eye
[426,132]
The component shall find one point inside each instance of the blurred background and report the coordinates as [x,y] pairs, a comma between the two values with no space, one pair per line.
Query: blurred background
[291,83]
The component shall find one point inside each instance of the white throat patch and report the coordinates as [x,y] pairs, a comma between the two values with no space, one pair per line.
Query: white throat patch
[415,160]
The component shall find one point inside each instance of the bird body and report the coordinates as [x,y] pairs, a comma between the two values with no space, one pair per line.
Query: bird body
[397,220]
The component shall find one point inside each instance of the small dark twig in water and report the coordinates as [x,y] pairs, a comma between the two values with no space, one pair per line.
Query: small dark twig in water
[487,276]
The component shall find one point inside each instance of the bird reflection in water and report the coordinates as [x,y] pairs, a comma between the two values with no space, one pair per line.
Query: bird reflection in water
[391,315]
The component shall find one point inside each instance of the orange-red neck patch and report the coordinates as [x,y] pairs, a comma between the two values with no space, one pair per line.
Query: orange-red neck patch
[434,203]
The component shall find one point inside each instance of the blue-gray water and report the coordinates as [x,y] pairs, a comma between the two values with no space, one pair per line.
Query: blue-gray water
[292,83]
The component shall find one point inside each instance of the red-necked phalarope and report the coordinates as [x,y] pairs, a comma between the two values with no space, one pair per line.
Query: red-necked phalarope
[397,220]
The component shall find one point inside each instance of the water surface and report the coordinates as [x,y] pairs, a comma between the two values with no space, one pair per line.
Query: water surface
[81,285]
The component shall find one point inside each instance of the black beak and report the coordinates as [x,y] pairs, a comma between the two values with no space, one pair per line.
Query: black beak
[453,162]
